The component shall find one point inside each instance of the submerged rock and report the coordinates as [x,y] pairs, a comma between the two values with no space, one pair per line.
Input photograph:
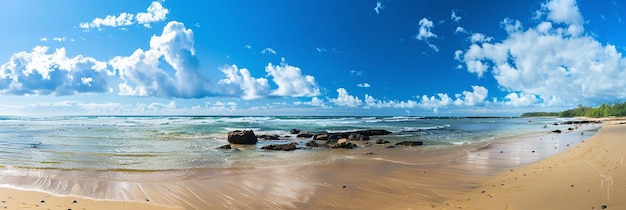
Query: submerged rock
[410,143]
[556,131]
[242,137]
[225,147]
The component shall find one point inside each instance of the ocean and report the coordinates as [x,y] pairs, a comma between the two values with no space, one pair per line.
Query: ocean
[182,143]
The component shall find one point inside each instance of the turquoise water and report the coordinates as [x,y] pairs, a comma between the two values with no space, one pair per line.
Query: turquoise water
[158,143]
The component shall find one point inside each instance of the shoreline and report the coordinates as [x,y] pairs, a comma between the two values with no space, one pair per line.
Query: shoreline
[366,182]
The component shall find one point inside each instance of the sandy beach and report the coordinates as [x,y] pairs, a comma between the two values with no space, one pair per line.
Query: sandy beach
[551,171]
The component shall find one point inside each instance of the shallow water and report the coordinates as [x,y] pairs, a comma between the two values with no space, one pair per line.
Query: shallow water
[161,143]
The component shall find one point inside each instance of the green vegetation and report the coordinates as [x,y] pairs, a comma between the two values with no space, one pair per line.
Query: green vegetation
[605,110]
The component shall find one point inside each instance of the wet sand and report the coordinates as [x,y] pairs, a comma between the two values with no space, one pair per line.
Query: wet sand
[548,171]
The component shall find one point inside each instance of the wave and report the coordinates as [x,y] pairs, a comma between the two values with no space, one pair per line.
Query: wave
[419,129]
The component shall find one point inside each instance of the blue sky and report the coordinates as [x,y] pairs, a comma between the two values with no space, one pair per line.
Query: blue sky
[441,58]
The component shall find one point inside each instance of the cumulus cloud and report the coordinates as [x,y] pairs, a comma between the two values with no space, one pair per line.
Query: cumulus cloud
[561,65]
[315,101]
[467,98]
[344,99]
[379,6]
[289,79]
[521,99]
[291,82]
[424,33]
[155,13]
[238,81]
[40,73]
[142,76]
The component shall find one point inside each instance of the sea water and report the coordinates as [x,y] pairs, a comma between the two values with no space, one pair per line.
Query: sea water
[165,143]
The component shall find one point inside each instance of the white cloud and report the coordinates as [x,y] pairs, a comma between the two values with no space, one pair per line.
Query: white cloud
[478,37]
[469,99]
[289,79]
[454,17]
[268,50]
[239,80]
[460,29]
[379,6]
[315,101]
[521,99]
[44,39]
[247,46]
[363,85]
[425,33]
[155,13]
[59,39]
[40,73]
[344,99]
[291,82]
[561,65]
[142,76]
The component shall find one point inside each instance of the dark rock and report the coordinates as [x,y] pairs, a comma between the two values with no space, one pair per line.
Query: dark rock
[555,124]
[580,122]
[410,143]
[570,129]
[294,131]
[373,132]
[225,147]
[312,143]
[269,137]
[356,136]
[242,137]
[556,131]
[391,147]
[304,135]
[281,147]
[382,141]
[345,145]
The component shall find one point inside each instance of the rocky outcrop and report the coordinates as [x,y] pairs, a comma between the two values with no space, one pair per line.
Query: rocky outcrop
[382,141]
[281,147]
[361,135]
[294,131]
[242,137]
[345,145]
[312,143]
[304,135]
[556,131]
[410,143]
[269,137]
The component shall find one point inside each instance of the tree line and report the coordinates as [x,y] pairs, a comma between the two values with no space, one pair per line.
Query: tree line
[605,110]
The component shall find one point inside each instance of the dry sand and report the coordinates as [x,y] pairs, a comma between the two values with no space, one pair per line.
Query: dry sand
[583,175]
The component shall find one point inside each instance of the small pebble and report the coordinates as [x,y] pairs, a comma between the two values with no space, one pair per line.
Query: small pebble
[74,201]
[572,186]
[148,200]
[604,206]
[344,186]
[482,191]
[533,151]
[42,201]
